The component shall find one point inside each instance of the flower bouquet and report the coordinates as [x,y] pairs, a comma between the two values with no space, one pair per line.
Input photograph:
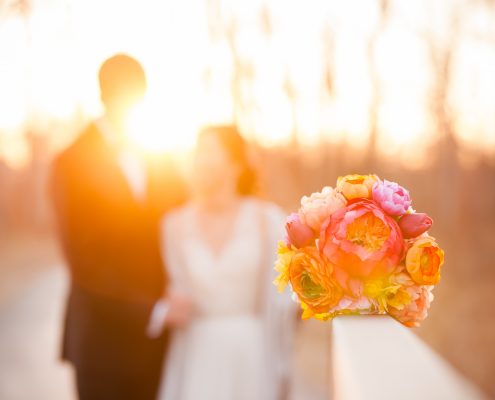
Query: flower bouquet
[360,249]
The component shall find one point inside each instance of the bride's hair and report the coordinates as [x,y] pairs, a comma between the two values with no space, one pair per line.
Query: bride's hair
[236,147]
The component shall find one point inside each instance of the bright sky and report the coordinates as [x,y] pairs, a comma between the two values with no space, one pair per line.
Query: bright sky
[49,83]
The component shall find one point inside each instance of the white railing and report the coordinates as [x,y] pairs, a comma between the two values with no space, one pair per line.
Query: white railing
[375,357]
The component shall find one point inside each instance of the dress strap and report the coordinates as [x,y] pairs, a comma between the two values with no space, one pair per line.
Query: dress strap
[263,273]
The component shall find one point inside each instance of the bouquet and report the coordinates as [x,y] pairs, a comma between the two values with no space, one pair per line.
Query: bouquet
[360,249]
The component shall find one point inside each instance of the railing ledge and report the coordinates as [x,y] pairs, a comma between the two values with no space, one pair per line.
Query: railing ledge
[375,357]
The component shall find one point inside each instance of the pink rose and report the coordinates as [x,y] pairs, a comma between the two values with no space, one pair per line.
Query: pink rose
[413,225]
[298,234]
[390,196]
[319,206]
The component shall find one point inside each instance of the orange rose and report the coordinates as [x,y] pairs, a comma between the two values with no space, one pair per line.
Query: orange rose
[423,261]
[356,186]
[312,280]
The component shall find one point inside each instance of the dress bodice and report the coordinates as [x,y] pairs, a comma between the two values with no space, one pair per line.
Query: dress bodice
[238,344]
[220,284]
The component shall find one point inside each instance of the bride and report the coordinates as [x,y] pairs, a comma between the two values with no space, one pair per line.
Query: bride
[219,251]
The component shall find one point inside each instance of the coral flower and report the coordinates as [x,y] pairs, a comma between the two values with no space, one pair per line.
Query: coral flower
[423,261]
[356,186]
[416,310]
[312,280]
[362,240]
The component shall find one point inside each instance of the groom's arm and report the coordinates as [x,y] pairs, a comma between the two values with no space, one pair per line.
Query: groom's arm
[63,194]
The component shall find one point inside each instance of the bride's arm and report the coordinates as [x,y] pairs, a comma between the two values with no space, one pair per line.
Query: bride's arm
[275,225]
[173,309]
[281,311]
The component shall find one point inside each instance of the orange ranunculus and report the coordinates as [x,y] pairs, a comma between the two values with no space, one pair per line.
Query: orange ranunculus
[312,280]
[356,186]
[362,240]
[423,261]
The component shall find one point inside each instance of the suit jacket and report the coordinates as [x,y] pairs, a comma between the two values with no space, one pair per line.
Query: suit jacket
[110,241]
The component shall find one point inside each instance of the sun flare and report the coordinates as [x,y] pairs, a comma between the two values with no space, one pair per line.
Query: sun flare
[155,128]
[276,84]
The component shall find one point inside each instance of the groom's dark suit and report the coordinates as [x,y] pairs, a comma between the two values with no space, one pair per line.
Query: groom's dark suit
[110,241]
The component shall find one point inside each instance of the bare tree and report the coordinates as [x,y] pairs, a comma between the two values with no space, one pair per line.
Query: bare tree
[442,53]
[226,28]
[376,100]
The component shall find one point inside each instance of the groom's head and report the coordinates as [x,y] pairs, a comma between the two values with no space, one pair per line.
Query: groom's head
[122,84]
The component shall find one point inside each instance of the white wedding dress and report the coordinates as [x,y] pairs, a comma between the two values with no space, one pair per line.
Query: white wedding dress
[238,344]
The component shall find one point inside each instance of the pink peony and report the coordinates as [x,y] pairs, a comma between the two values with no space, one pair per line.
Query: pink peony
[392,197]
[362,241]
[298,234]
[413,225]
[319,206]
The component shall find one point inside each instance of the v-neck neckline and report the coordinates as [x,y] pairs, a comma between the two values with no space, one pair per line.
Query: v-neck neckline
[218,256]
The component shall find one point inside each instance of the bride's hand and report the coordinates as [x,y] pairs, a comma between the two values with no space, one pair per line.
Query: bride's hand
[180,310]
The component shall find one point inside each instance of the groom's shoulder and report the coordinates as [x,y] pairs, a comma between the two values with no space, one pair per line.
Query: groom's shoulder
[77,146]
[84,138]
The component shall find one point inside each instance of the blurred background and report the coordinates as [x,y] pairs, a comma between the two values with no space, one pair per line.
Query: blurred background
[321,88]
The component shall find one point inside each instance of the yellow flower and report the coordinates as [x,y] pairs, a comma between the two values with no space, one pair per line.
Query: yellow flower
[356,186]
[282,265]
[423,261]
[399,299]
[309,313]
[381,291]
[390,291]
[402,296]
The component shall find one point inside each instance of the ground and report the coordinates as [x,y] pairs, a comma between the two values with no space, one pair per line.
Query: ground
[32,290]
[32,293]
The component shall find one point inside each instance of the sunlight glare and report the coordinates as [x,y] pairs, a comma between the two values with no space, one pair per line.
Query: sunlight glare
[50,61]
[151,131]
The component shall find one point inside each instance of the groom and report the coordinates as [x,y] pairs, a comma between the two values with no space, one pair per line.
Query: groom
[107,206]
